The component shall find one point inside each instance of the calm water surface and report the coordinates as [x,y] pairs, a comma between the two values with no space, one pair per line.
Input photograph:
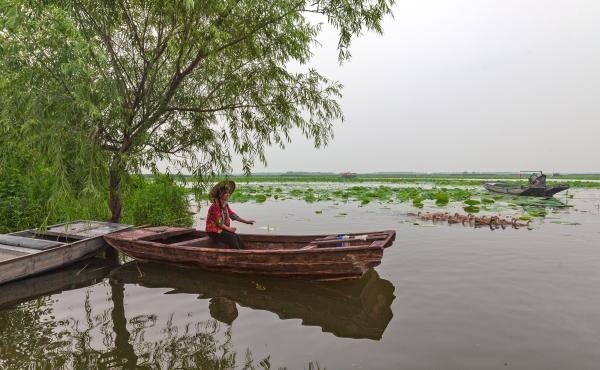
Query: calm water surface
[452,297]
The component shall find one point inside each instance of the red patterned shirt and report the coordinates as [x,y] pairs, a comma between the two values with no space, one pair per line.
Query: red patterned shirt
[218,216]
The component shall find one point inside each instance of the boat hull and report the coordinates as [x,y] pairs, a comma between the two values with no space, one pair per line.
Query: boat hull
[291,257]
[524,190]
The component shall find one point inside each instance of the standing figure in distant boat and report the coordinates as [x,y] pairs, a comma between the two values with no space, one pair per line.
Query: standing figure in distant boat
[219,216]
[534,180]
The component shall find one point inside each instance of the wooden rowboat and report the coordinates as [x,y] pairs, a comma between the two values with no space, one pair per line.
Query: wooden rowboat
[31,252]
[524,190]
[306,257]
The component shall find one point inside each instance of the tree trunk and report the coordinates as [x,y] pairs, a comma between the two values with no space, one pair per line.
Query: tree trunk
[115,204]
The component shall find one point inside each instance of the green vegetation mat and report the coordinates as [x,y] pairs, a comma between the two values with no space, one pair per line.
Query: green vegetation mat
[428,196]
[576,181]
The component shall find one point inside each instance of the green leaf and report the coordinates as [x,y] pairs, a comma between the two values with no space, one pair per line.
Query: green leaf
[310,198]
[566,223]
[471,209]
[442,197]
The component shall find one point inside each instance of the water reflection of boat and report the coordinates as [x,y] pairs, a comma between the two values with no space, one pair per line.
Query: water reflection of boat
[352,308]
[75,276]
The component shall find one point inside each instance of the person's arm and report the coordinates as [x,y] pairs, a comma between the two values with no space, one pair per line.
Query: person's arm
[228,228]
[235,217]
[249,222]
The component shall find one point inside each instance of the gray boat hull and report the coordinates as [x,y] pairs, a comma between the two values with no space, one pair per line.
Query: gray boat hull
[524,190]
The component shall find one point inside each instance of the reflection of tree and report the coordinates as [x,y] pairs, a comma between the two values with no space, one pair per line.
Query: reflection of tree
[24,332]
[31,338]
[195,346]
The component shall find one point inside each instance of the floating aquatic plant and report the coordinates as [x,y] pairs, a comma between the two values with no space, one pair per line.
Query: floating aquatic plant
[565,223]
[471,209]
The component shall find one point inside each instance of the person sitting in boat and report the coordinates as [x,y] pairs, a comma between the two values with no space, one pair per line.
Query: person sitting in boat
[534,180]
[219,216]
[542,179]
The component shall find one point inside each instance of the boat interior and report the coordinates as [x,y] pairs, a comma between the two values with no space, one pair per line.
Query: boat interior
[199,239]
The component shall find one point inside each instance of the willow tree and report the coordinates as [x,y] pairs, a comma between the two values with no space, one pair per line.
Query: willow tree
[103,89]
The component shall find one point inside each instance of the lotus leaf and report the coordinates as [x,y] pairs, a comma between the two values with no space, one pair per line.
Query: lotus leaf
[471,209]
[310,198]
[565,223]
[442,197]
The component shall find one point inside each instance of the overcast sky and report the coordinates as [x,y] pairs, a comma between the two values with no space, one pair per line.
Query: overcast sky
[463,86]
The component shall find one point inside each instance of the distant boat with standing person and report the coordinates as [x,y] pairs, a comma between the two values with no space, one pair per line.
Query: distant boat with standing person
[535,187]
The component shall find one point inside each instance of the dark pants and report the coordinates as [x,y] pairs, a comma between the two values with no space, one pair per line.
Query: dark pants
[233,240]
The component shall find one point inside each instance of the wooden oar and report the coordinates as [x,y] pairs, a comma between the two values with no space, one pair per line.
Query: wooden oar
[335,237]
[335,241]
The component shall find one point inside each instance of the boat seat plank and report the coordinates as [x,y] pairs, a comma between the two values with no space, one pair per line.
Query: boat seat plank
[162,233]
[204,242]
[8,252]
[84,229]
[328,237]
[5,247]
[19,241]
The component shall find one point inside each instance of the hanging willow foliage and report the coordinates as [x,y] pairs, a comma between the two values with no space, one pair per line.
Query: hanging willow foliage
[102,89]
